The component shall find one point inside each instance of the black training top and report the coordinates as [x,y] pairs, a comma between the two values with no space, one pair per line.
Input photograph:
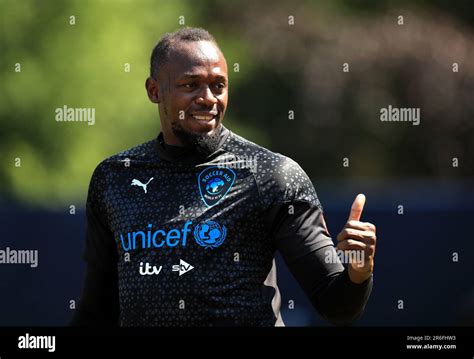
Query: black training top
[177,239]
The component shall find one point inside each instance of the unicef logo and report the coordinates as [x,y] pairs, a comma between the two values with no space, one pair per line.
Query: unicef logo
[210,234]
[215,185]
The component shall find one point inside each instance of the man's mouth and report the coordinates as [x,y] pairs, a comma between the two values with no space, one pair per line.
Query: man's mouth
[204,116]
[204,121]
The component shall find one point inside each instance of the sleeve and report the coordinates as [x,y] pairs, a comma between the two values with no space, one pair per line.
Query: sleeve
[99,304]
[100,249]
[299,232]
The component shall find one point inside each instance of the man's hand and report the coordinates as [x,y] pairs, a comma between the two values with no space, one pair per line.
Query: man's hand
[359,236]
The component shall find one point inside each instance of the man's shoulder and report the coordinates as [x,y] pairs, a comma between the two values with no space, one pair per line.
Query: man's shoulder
[279,177]
[137,152]
[246,149]
[142,152]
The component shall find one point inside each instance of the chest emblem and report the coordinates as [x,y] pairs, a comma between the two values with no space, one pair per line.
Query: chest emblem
[214,183]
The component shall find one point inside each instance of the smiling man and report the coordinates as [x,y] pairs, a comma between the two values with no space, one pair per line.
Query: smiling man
[178,69]
[210,209]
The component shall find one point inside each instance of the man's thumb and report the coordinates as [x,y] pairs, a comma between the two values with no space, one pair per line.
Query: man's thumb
[357,207]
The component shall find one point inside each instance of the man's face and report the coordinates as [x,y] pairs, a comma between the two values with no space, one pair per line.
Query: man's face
[191,90]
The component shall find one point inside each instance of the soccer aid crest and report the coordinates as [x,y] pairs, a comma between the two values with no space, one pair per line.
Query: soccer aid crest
[214,183]
[210,234]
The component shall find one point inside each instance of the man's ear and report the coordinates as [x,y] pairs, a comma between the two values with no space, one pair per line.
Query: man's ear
[152,90]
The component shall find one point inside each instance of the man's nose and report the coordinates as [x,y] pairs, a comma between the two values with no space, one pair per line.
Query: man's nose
[206,97]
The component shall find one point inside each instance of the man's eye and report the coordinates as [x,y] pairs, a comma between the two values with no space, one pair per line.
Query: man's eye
[190,85]
[220,85]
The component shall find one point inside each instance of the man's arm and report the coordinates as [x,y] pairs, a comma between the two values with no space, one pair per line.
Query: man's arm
[302,238]
[99,305]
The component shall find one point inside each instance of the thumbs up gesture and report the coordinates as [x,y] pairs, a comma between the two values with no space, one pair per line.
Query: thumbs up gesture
[358,236]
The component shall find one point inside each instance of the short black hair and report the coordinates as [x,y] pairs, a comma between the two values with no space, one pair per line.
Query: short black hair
[162,49]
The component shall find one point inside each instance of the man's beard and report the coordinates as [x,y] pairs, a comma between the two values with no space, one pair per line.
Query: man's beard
[204,143]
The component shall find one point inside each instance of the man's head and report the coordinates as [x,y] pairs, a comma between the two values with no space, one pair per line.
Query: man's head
[188,79]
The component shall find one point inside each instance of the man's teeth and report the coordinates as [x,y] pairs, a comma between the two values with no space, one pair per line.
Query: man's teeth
[207,118]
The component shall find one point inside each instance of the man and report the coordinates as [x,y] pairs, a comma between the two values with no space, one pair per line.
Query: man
[182,230]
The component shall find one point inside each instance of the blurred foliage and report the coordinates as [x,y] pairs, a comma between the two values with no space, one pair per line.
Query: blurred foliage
[282,68]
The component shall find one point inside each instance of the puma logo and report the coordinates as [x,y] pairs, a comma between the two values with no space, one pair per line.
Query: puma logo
[136,182]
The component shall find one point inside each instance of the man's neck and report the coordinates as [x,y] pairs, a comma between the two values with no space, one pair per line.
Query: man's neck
[181,153]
